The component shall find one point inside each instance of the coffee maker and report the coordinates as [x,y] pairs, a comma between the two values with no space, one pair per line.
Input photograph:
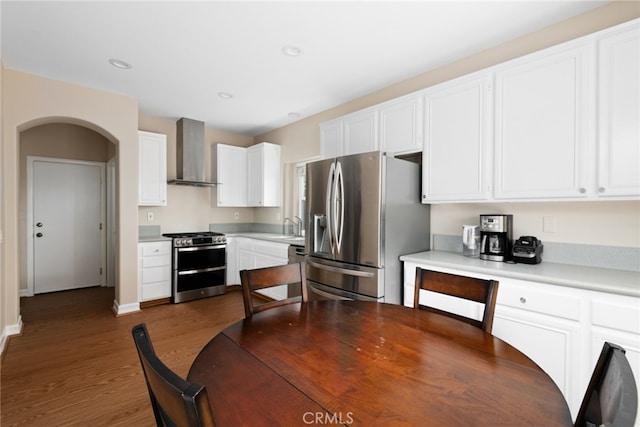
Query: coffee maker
[495,237]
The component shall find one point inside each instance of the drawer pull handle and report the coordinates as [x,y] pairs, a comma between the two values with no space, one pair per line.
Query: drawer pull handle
[523,300]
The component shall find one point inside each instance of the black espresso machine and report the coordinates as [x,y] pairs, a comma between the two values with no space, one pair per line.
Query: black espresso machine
[496,237]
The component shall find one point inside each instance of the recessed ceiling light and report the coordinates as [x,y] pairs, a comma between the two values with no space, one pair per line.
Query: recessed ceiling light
[225,95]
[118,63]
[292,50]
[294,115]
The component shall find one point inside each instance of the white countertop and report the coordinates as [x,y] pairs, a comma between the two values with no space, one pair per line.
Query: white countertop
[271,237]
[159,238]
[597,279]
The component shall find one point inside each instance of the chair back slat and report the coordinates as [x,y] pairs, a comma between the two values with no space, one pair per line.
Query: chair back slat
[268,277]
[469,288]
[611,398]
[174,401]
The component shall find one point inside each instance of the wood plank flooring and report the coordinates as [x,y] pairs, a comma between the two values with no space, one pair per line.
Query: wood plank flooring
[75,364]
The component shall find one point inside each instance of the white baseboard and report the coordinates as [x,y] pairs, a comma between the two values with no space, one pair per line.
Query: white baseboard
[15,329]
[119,310]
[25,293]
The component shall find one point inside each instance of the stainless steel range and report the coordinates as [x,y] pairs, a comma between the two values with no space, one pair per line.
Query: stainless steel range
[199,265]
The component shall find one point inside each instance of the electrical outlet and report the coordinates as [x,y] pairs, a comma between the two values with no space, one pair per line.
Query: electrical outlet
[236,215]
[149,216]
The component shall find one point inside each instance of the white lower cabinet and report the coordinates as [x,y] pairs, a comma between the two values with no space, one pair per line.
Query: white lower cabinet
[154,270]
[254,253]
[560,328]
[544,324]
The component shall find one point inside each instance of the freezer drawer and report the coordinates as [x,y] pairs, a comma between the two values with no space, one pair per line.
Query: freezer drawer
[361,280]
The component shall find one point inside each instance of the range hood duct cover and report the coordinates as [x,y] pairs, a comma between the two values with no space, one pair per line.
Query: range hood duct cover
[190,154]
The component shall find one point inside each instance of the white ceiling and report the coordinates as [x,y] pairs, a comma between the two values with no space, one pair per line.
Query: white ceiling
[184,53]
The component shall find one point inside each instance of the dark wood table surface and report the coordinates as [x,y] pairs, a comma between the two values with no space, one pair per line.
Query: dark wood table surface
[365,364]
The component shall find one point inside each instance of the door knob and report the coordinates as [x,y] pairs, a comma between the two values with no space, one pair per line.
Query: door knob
[38,234]
[39,225]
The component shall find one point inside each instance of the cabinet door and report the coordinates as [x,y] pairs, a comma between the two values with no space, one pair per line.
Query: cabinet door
[619,112]
[553,344]
[360,132]
[543,322]
[255,183]
[401,125]
[331,139]
[152,160]
[456,156]
[542,127]
[233,272]
[231,175]
[264,177]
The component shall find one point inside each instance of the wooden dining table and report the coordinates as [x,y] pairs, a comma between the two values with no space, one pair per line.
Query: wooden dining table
[371,364]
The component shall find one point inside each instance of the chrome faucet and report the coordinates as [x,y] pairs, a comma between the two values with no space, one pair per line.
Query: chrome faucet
[285,229]
[298,220]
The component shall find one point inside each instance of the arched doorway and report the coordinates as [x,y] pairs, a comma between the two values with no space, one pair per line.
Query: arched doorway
[65,145]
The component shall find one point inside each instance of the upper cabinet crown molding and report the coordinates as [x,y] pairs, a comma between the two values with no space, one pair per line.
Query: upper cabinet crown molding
[152,169]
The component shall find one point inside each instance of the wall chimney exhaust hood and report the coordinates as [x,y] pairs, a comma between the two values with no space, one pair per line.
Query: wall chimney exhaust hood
[190,154]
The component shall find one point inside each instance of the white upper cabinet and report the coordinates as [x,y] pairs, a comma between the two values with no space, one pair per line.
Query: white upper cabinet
[457,144]
[401,125]
[360,132]
[152,169]
[231,175]
[541,124]
[331,139]
[264,177]
[619,112]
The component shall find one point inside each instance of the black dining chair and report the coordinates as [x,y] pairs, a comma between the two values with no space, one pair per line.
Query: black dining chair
[469,288]
[175,402]
[611,398]
[268,277]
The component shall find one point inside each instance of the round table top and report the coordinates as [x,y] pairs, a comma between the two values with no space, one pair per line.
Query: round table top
[368,363]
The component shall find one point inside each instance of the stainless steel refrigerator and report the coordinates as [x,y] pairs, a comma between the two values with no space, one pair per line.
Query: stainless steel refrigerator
[363,212]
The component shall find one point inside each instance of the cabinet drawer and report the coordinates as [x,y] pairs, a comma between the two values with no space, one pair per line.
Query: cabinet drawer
[156,291]
[156,248]
[276,250]
[156,261]
[539,301]
[620,316]
[156,274]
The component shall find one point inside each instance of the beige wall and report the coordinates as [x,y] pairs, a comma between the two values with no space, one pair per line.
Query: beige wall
[30,101]
[59,140]
[4,321]
[601,223]
[190,208]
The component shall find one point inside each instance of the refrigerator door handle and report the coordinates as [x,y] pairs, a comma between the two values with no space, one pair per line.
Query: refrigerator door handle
[329,206]
[339,206]
[345,271]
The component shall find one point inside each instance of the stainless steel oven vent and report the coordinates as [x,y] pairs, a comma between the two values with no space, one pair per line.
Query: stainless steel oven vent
[190,154]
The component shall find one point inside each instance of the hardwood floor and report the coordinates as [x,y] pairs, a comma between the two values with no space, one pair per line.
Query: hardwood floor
[75,364]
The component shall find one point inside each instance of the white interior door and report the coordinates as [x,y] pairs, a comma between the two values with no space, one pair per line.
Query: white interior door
[67,225]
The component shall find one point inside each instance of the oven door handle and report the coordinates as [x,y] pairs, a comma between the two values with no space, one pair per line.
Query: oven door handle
[200,248]
[200,270]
